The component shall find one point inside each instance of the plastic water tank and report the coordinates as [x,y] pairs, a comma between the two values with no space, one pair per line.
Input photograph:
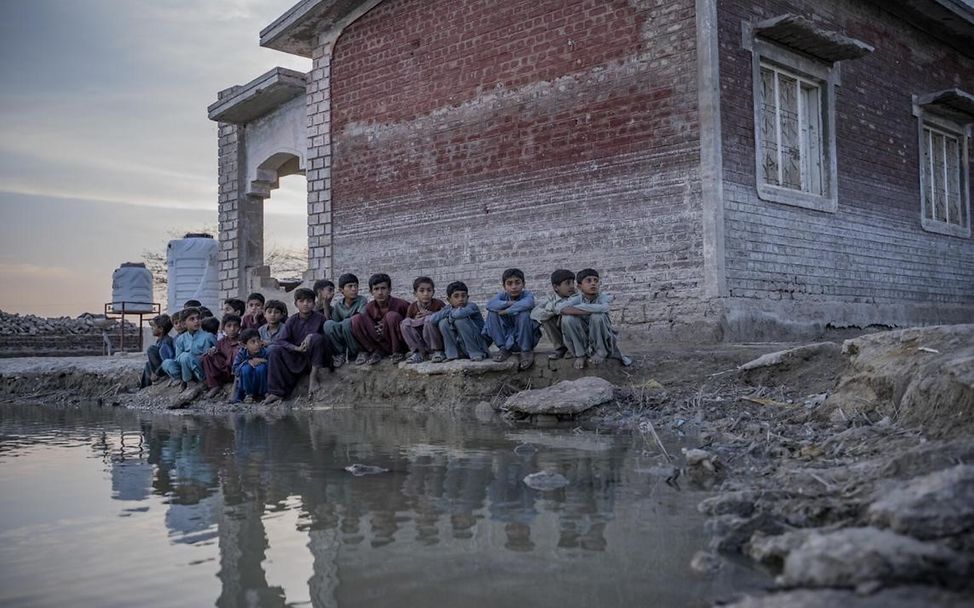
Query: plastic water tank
[192,266]
[132,288]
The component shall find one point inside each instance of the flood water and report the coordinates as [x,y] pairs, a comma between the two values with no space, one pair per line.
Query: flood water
[108,507]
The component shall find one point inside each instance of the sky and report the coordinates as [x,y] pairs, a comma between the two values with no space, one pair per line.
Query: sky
[105,147]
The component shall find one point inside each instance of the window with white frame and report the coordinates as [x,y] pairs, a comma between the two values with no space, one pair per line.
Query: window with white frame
[791,131]
[941,162]
[944,122]
[795,70]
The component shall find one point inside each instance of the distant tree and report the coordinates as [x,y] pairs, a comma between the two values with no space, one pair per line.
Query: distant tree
[285,262]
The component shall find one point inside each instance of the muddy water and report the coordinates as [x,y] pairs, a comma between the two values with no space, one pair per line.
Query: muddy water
[101,507]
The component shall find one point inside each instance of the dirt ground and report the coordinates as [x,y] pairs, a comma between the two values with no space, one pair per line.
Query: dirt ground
[844,469]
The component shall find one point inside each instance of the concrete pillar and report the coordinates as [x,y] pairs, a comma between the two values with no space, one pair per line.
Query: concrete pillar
[231,164]
[319,164]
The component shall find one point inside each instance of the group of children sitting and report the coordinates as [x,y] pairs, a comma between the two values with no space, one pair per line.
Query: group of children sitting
[264,352]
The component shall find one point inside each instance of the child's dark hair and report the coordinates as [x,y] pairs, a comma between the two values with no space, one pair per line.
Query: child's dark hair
[192,304]
[514,273]
[456,286]
[378,278]
[205,312]
[164,323]
[228,319]
[189,312]
[345,279]
[561,275]
[236,304]
[210,325]
[586,272]
[303,293]
[423,281]
[256,296]
[249,334]
[278,306]
[176,317]
[323,284]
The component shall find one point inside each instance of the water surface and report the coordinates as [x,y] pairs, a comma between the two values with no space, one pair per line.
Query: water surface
[107,507]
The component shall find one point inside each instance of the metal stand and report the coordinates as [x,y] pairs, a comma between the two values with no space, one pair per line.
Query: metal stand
[132,309]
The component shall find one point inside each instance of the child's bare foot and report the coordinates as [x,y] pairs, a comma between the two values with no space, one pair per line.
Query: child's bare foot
[175,382]
[362,359]
[398,357]
[248,399]
[477,357]
[525,360]
[213,392]
[558,354]
[374,358]
[578,363]
[338,361]
[271,399]
[596,360]
[502,355]
[438,357]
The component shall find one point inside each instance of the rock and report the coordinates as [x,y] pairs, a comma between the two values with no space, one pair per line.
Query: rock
[933,506]
[485,412]
[739,503]
[899,597]
[729,532]
[705,562]
[774,549]
[853,556]
[697,458]
[359,470]
[567,397]
[792,354]
[543,481]
[921,377]
[187,396]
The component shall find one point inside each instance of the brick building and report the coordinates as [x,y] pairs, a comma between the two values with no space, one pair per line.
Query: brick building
[736,169]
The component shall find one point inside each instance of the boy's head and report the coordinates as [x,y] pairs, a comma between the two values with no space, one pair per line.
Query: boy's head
[380,286]
[234,306]
[423,289]
[563,282]
[192,304]
[191,319]
[275,311]
[304,299]
[588,281]
[205,312]
[161,325]
[231,326]
[210,325]
[457,294]
[513,281]
[250,338]
[177,321]
[348,285]
[255,304]
[324,289]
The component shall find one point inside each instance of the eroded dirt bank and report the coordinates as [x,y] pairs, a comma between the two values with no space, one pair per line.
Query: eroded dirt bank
[845,469]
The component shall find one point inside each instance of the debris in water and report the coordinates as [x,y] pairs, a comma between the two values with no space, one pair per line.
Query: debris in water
[544,481]
[364,469]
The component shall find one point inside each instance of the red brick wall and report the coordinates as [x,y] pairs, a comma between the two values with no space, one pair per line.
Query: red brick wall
[872,251]
[473,135]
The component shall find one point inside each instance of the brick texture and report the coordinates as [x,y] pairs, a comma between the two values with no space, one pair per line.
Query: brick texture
[471,135]
[872,251]
[229,166]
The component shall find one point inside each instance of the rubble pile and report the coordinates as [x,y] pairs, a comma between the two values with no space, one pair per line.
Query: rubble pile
[14,324]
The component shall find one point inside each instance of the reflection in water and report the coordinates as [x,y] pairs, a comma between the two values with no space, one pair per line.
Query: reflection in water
[451,522]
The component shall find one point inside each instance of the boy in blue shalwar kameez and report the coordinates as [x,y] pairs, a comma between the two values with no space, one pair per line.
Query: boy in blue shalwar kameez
[460,324]
[509,323]
[250,368]
[190,347]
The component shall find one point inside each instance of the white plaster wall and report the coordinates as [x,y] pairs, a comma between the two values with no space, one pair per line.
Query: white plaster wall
[283,130]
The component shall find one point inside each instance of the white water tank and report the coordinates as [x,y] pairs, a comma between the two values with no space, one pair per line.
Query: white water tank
[192,266]
[132,288]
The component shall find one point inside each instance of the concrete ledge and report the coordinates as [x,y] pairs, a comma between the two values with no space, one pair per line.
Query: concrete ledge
[259,96]
[297,30]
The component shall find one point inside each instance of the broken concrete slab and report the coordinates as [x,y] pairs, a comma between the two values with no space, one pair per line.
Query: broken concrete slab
[566,397]
[799,353]
[855,556]
[460,366]
[937,505]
